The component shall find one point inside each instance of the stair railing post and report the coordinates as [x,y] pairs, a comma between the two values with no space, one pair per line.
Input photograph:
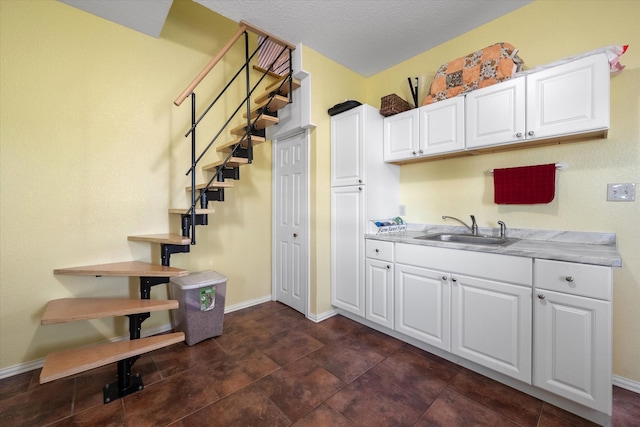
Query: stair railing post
[193,168]
[248,94]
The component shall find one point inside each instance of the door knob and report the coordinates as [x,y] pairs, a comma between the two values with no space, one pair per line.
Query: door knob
[295,234]
[541,296]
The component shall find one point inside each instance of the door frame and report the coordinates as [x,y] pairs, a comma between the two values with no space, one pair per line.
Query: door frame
[274,205]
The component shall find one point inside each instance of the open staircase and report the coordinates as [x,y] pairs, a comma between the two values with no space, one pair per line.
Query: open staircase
[235,153]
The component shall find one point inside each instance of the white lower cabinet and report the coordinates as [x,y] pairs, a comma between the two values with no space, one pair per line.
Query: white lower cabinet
[572,339]
[476,305]
[379,291]
[347,248]
[422,305]
[491,325]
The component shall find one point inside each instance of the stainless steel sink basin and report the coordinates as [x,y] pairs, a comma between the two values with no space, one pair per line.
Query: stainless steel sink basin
[468,239]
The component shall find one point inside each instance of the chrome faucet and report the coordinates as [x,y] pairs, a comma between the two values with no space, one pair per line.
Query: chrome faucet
[474,225]
[503,229]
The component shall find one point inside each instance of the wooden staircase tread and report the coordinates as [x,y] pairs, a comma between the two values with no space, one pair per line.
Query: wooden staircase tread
[70,362]
[127,269]
[255,140]
[233,162]
[74,309]
[170,239]
[278,102]
[261,123]
[213,185]
[184,211]
[284,90]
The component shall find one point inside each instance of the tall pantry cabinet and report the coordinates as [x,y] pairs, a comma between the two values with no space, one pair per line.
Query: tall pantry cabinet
[363,188]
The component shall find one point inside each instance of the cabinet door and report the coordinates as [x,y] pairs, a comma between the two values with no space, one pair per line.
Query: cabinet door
[401,134]
[347,248]
[347,148]
[572,348]
[422,305]
[569,98]
[379,291]
[491,325]
[442,127]
[496,114]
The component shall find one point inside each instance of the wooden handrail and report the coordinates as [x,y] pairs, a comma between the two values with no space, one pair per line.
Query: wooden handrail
[263,33]
[244,26]
[189,89]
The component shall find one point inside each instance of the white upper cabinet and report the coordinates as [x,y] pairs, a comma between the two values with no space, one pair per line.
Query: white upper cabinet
[570,98]
[347,148]
[429,130]
[496,114]
[401,136]
[442,127]
[560,101]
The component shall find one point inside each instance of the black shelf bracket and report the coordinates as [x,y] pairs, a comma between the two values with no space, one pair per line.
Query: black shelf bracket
[147,282]
[201,219]
[168,249]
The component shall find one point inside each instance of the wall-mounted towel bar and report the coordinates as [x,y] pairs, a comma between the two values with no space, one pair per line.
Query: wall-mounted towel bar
[559,166]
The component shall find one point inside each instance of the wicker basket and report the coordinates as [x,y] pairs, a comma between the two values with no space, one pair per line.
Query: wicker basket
[393,104]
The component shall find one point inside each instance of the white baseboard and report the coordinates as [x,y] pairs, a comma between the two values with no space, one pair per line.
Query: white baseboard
[626,383]
[322,316]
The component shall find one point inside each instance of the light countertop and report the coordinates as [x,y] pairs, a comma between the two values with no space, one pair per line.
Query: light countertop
[571,246]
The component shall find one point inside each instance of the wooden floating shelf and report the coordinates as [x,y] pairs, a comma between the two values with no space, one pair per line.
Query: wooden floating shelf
[70,362]
[185,211]
[126,269]
[74,309]
[170,239]
[233,162]
[213,185]
[255,140]
[261,123]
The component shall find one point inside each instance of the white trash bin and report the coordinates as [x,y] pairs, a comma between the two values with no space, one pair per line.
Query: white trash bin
[201,298]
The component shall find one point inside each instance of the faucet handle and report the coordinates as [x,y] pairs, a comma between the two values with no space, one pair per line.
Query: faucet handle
[474,225]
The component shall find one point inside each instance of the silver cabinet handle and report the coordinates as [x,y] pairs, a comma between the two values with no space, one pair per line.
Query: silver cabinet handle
[360,188]
[414,153]
[541,296]
[530,133]
[519,135]
[359,181]
[388,267]
[569,279]
[421,151]
[295,234]
[453,279]
[377,251]
[444,278]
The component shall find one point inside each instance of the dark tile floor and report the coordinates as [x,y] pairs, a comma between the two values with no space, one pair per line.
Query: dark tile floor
[272,367]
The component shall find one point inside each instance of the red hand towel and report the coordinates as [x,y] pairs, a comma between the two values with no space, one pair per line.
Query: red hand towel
[526,185]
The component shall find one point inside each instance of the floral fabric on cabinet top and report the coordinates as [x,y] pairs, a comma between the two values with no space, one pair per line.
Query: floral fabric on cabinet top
[479,69]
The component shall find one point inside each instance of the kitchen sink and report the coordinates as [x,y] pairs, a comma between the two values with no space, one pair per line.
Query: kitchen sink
[468,239]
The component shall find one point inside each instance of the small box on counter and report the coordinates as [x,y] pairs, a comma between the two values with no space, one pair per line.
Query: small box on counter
[391,225]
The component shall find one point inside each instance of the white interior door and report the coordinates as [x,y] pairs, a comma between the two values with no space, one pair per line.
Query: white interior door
[291,221]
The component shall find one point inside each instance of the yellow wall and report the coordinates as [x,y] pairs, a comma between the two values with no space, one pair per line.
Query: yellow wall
[545,31]
[93,150]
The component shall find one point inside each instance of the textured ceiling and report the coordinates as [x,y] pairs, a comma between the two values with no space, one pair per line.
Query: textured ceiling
[366,36]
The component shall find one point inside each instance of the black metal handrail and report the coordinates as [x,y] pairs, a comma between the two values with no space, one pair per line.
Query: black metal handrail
[195,121]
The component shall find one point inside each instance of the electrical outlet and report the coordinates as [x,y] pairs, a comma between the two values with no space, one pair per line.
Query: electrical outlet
[403,210]
[621,192]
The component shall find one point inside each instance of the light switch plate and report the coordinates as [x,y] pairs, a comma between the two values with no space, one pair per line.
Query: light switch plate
[621,192]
